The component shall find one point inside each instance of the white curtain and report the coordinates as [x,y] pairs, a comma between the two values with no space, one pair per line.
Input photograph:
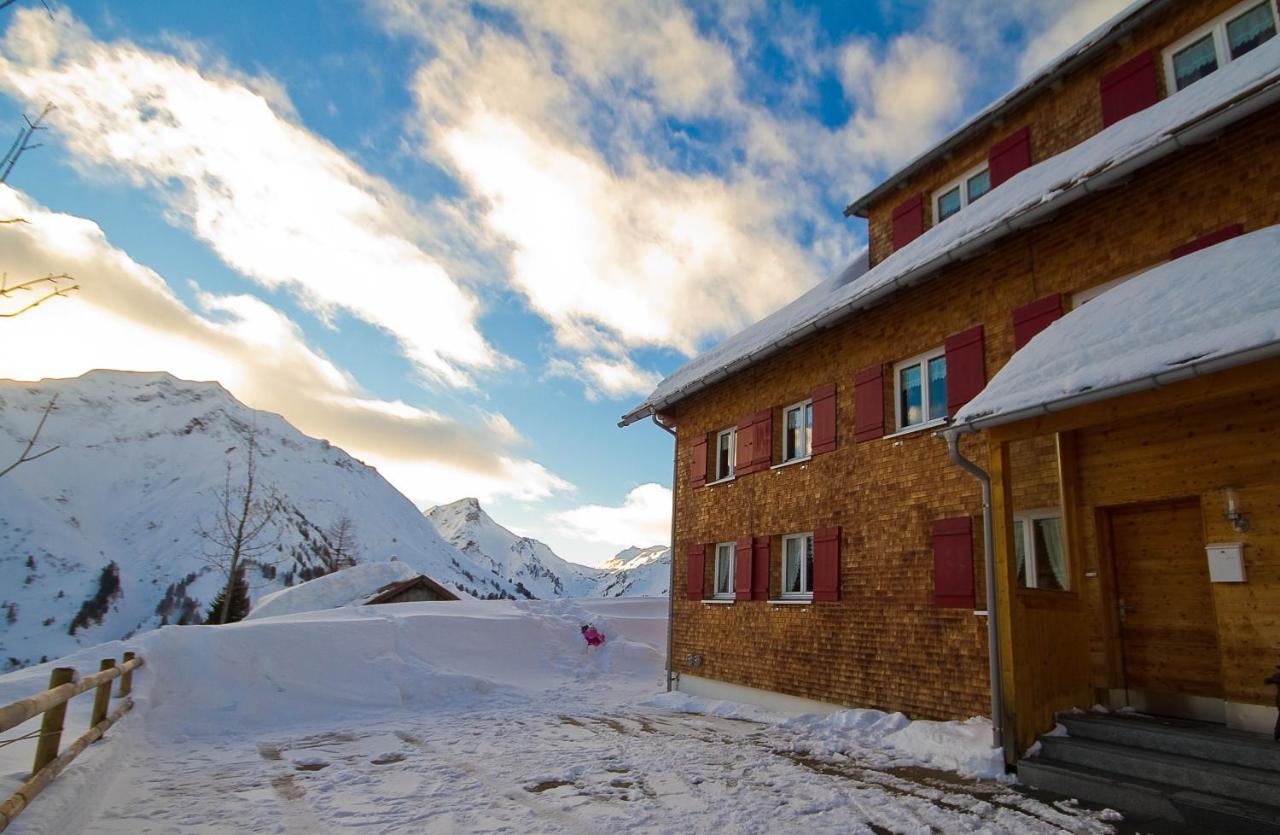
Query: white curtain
[1051,530]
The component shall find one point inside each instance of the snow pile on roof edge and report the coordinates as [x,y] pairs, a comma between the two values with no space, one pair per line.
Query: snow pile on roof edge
[1219,301]
[346,587]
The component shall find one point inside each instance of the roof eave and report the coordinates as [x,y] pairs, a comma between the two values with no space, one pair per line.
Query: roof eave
[968,130]
[1258,353]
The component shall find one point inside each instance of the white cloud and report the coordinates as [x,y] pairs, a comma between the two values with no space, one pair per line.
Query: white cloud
[274,201]
[643,519]
[126,317]
[610,377]
[1078,20]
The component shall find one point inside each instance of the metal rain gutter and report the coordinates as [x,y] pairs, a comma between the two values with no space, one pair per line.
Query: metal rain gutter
[993,621]
[671,577]
[1193,134]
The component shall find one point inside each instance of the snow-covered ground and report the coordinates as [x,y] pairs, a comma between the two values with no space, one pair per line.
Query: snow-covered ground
[489,716]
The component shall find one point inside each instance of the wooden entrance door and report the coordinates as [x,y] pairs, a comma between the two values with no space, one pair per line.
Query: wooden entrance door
[1168,628]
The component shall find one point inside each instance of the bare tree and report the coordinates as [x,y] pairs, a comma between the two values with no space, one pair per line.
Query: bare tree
[341,538]
[240,531]
[26,455]
[46,286]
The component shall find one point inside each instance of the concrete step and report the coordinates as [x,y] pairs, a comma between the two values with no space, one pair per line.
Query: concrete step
[1174,736]
[1198,811]
[1182,772]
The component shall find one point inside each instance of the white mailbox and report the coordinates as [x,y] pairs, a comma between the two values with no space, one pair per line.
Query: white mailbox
[1226,562]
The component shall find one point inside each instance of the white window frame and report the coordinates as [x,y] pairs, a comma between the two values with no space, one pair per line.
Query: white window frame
[805,440]
[805,580]
[923,361]
[1218,26]
[732,432]
[962,182]
[1028,519]
[716,593]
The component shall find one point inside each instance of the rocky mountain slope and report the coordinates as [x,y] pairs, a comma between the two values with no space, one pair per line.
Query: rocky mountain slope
[101,538]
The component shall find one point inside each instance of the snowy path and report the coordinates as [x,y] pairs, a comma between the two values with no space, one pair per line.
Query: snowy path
[480,716]
[548,768]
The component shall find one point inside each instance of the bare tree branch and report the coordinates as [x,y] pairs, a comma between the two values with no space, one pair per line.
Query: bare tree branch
[26,456]
[23,142]
[244,512]
[7,291]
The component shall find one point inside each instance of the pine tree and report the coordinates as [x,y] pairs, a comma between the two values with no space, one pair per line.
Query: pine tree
[238,590]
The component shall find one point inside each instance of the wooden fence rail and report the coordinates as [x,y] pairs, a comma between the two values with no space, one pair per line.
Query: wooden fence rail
[63,686]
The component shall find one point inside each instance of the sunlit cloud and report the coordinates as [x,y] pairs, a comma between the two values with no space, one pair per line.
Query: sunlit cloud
[126,317]
[643,519]
[276,202]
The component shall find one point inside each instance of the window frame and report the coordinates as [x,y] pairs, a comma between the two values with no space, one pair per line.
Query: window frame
[923,361]
[807,438]
[805,579]
[732,432]
[716,594]
[1028,519]
[1221,45]
[962,183]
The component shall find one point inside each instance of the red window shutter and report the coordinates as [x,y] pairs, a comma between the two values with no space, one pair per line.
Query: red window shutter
[908,221]
[1129,88]
[1009,156]
[824,419]
[966,367]
[1226,233]
[953,563]
[1030,319]
[826,564]
[746,444]
[868,403]
[696,570]
[760,568]
[742,569]
[762,445]
[698,462]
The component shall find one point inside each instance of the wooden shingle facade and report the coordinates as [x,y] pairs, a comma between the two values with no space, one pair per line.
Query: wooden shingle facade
[815,475]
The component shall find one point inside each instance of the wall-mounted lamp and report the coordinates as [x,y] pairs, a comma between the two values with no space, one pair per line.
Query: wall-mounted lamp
[1239,521]
[693,660]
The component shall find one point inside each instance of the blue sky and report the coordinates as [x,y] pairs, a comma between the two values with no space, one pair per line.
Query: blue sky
[461,239]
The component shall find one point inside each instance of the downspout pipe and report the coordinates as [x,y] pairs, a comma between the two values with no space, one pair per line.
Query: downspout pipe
[993,621]
[671,581]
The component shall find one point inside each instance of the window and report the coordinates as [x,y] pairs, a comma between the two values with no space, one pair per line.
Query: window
[797,431]
[797,565]
[1219,42]
[726,453]
[954,196]
[1039,549]
[920,389]
[724,570]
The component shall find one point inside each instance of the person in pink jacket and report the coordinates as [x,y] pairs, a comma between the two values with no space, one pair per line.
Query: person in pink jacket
[593,637]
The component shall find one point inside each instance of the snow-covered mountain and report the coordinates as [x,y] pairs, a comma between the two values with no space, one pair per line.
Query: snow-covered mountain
[637,572]
[526,563]
[100,539]
[532,566]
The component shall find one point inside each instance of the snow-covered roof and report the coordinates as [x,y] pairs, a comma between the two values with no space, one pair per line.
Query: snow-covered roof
[348,587]
[1114,29]
[1214,309]
[1192,115]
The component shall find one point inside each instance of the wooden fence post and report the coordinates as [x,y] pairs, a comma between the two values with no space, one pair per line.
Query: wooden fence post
[126,680]
[51,725]
[102,698]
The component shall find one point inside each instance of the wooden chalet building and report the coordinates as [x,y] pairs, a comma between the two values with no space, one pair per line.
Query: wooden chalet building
[829,547]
